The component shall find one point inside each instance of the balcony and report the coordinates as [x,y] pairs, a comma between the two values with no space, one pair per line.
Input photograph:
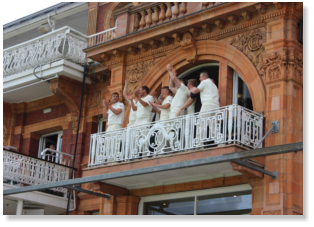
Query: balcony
[27,170]
[27,65]
[231,124]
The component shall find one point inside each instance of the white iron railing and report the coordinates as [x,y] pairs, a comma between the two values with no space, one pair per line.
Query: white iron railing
[32,171]
[57,157]
[64,43]
[101,37]
[231,124]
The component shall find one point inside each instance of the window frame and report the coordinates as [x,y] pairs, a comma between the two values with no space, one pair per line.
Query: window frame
[42,141]
[195,193]
[100,125]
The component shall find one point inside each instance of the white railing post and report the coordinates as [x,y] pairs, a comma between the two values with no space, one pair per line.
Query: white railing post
[187,131]
[230,120]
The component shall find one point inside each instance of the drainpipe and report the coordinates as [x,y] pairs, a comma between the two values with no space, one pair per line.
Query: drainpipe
[77,133]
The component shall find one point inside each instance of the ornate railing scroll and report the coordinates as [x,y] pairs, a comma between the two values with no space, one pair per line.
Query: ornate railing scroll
[64,43]
[231,124]
[32,171]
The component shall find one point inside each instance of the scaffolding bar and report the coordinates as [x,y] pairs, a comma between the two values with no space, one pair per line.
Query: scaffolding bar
[281,149]
[274,175]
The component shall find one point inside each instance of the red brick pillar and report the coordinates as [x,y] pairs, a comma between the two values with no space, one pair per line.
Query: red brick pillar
[127,205]
[225,84]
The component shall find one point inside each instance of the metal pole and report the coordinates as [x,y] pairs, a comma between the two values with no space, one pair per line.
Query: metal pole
[77,132]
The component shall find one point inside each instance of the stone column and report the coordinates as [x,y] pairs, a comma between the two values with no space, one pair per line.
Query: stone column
[225,83]
[19,207]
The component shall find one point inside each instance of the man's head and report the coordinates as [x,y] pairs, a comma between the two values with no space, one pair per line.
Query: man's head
[165,91]
[203,76]
[181,80]
[144,90]
[115,97]
[53,147]
[192,83]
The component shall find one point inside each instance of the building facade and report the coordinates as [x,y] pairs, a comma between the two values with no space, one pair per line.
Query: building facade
[254,53]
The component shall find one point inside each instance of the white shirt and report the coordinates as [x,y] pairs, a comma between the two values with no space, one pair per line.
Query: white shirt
[209,93]
[144,112]
[180,98]
[191,108]
[116,119]
[164,113]
[132,116]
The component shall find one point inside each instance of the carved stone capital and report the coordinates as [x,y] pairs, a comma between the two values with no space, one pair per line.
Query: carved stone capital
[233,19]
[207,27]
[133,50]
[246,15]
[177,37]
[194,31]
[155,44]
[260,8]
[188,44]
[295,65]
[143,47]
[74,120]
[275,66]
[220,23]
[278,5]
[117,53]
[106,56]
[165,40]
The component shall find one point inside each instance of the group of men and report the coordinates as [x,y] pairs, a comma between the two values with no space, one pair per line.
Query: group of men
[173,101]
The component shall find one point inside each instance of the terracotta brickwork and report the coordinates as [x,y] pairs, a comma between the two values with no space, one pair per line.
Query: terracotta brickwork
[257,40]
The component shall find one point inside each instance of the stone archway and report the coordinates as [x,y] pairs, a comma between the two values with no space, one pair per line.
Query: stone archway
[215,51]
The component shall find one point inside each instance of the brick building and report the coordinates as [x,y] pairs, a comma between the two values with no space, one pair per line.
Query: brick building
[254,53]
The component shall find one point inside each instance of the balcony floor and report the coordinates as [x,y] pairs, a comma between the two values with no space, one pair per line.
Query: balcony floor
[189,174]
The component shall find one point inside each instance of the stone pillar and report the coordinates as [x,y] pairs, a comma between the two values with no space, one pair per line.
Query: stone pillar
[123,20]
[225,83]
[127,205]
[19,207]
[283,65]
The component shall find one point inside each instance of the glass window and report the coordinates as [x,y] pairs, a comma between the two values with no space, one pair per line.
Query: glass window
[241,94]
[227,204]
[102,125]
[184,206]
[54,138]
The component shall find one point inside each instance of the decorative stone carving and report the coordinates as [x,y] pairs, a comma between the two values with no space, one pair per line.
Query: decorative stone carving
[106,56]
[188,44]
[135,73]
[275,65]
[195,31]
[251,44]
[260,8]
[133,50]
[247,15]
[177,37]
[233,19]
[207,27]
[155,44]
[278,5]
[295,66]
[166,40]
[74,120]
[117,53]
[220,23]
[143,47]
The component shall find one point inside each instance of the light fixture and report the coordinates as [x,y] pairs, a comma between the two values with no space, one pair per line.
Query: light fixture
[234,196]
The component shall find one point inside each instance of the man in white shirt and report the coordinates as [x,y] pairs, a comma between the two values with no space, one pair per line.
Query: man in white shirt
[132,116]
[210,100]
[143,108]
[181,92]
[115,114]
[165,105]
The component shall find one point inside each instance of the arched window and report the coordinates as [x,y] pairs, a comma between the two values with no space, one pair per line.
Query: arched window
[241,94]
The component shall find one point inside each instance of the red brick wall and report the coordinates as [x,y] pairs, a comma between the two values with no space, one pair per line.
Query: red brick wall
[101,17]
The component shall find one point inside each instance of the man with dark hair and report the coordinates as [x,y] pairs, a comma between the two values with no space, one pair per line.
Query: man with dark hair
[165,105]
[193,105]
[132,116]
[143,108]
[115,114]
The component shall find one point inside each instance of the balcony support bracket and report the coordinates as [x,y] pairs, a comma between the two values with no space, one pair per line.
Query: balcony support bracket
[78,188]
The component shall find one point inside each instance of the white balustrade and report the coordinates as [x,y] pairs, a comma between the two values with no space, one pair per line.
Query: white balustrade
[57,157]
[101,37]
[231,124]
[64,43]
[32,171]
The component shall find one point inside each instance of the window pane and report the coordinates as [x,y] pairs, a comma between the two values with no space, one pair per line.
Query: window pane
[229,203]
[184,206]
[244,97]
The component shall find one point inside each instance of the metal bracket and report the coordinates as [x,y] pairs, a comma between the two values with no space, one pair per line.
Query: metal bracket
[78,188]
[274,175]
[275,126]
